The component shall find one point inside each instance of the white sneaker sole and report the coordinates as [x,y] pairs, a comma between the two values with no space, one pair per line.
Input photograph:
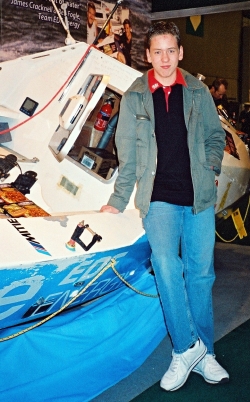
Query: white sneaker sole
[222,381]
[188,372]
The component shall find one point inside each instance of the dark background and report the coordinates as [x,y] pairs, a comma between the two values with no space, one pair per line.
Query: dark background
[170,5]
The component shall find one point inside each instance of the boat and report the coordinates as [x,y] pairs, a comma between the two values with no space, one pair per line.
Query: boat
[58,166]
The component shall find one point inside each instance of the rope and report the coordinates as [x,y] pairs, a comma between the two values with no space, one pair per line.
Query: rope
[132,287]
[231,240]
[53,98]
[111,265]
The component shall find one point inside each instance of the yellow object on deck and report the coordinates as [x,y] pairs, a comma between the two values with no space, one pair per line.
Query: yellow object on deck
[239,223]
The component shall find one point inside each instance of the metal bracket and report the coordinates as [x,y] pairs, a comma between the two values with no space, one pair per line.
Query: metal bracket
[75,238]
[20,158]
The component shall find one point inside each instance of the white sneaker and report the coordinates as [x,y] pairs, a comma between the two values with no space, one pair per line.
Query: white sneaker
[181,366]
[211,370]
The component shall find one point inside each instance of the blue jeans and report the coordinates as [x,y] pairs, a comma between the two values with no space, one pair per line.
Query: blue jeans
[182,257]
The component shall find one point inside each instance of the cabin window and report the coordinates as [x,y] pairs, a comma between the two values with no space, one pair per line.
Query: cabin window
[94,149]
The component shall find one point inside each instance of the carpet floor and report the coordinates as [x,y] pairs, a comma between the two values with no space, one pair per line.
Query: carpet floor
[233,352]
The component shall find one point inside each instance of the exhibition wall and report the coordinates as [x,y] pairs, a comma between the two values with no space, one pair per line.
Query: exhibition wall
[28,27]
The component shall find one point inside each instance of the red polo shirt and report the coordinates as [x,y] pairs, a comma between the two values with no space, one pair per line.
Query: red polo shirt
[154,84]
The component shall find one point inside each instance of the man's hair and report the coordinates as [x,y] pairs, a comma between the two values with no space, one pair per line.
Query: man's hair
[91,5]
[163,28]
[218,82]
[126,21]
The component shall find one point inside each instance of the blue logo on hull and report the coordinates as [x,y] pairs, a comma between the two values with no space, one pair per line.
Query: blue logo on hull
[37,246]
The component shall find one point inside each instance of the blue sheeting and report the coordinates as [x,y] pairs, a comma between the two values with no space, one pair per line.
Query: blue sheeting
[79,354]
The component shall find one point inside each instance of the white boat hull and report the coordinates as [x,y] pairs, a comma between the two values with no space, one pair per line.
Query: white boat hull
[38,273]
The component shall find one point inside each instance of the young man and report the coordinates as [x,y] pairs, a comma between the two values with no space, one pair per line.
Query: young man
[170,141]
[126,41]
[91,23]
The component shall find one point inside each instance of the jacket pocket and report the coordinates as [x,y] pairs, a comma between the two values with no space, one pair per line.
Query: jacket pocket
[209,187]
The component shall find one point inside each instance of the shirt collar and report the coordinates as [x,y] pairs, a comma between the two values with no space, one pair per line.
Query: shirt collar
[154,84]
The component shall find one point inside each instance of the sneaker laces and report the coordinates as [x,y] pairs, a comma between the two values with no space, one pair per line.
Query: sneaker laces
[175,362]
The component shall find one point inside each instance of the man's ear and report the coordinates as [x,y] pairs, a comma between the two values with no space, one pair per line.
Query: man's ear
[181,53]
[148,56]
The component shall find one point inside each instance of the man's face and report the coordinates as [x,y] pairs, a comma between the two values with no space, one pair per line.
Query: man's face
[220,92]
[90,16]
[164,55]
[127,30]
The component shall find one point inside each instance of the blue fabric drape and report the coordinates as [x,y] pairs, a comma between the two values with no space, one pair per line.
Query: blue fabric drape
[78,354]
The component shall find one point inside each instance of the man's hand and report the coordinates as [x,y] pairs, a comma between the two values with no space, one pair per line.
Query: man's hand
[110,209]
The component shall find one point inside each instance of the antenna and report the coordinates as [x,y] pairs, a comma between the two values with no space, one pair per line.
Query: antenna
[107,21]
[64,7]
[69,40]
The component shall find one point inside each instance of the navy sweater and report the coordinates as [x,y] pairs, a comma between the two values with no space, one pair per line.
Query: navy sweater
[173,182]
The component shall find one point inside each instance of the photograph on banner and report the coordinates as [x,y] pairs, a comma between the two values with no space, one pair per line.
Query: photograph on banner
[116,38]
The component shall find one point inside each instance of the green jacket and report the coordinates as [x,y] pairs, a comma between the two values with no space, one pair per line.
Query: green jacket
[137,148]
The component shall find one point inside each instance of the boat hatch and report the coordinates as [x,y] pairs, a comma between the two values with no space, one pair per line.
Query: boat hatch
[87,124]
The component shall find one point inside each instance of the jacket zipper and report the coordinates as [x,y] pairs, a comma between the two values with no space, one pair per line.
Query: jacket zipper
[153,134]
[193,208]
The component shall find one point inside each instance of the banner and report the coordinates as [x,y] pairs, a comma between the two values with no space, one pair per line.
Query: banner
[28,27]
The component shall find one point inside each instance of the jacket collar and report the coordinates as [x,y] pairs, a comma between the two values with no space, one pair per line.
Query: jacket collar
[141,83]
